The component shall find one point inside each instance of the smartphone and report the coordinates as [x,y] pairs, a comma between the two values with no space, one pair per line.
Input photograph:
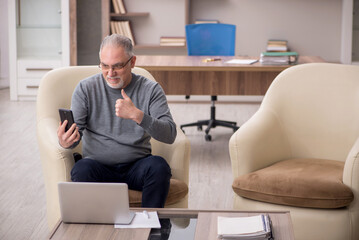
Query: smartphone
[66,114]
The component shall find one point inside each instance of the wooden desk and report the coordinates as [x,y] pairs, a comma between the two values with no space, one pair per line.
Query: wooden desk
[189,75]
[206,227]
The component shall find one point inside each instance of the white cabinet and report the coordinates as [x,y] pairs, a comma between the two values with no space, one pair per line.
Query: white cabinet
[38,43]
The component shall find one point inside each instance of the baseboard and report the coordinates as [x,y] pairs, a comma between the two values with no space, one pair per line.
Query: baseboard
[4,83]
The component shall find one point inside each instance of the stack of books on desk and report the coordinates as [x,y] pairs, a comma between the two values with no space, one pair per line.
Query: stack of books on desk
[278,58]
[277,45]
[173,41]
[254,227]
[277,53]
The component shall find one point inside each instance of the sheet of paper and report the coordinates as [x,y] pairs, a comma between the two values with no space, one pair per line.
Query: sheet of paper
[142,220]
[240,225]
[242,61]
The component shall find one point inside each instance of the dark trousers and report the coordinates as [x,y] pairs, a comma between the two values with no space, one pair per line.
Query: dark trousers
[151,175]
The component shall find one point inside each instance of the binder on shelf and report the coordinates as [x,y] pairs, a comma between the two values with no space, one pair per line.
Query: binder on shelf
[116,7]
[123,28]
[121,6]
[128,31]
[113,27]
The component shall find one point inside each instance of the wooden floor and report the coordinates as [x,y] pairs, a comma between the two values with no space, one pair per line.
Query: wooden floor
[22,193]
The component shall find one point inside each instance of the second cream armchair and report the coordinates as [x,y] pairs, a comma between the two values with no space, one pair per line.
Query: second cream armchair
[299,152]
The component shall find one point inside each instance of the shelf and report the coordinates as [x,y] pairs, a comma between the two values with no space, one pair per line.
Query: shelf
[130,14]
[39,27]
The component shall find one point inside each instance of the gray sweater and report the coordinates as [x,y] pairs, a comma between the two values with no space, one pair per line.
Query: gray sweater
[110,139]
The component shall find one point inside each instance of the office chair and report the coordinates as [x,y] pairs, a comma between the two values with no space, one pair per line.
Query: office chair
[211,39]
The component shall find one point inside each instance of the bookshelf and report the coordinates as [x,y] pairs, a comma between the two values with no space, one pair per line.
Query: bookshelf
[149,21]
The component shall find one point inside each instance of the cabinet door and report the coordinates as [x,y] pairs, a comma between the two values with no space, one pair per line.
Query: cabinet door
[38,29]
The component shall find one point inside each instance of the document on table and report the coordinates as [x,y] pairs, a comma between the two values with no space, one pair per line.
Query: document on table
[254,227]
[242,61]
[142,220]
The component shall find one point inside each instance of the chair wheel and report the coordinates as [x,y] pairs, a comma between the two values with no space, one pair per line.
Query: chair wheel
[199,128]
[208,137]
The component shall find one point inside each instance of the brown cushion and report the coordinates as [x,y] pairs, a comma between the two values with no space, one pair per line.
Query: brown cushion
[315,183]
[177,191]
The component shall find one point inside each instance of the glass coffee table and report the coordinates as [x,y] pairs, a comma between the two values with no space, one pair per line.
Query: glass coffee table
[175,224]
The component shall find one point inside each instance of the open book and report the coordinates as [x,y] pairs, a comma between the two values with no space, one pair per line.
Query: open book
[254,227]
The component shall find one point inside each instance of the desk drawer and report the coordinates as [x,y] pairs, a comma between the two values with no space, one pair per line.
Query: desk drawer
[36,68]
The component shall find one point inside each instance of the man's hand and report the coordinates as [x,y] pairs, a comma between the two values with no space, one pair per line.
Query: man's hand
[126,109]
[67,139]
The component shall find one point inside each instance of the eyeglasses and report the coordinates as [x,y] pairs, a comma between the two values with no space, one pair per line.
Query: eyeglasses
[115,67]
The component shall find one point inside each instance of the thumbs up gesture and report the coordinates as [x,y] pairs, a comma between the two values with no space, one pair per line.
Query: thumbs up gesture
[125,108]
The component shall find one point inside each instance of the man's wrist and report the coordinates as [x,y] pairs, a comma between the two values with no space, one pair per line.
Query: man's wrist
[138,117]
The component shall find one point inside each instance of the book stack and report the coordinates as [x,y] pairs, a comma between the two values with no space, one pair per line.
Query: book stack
[277,45]
[172,41]
[277,53]
[123,28]
[254,227]
[278,58]
[118,6]
[199,21]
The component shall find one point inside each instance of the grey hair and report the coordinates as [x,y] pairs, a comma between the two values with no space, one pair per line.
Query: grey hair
[118,40]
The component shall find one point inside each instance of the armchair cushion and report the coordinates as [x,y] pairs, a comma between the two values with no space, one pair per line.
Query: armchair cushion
[315,183]
[178,190]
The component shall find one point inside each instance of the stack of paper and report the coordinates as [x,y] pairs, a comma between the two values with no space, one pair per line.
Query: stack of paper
[242,61]
[142,220]
[254,227]
[278,58]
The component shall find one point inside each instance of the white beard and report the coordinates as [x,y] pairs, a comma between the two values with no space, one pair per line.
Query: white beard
[115,86]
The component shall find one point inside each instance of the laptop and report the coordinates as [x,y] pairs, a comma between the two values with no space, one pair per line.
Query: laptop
[88,202]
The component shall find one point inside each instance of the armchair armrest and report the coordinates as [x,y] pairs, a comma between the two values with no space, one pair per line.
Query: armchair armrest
[259,143]
[57,163]
[351,173]
[176,154]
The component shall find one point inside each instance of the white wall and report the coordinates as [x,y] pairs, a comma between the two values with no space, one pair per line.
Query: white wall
[312,27]
[4,54]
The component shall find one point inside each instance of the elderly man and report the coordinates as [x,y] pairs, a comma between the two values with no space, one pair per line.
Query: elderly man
[116,113]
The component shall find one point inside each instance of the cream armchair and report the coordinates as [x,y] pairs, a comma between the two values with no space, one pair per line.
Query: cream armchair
[306,130]
[55,92]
